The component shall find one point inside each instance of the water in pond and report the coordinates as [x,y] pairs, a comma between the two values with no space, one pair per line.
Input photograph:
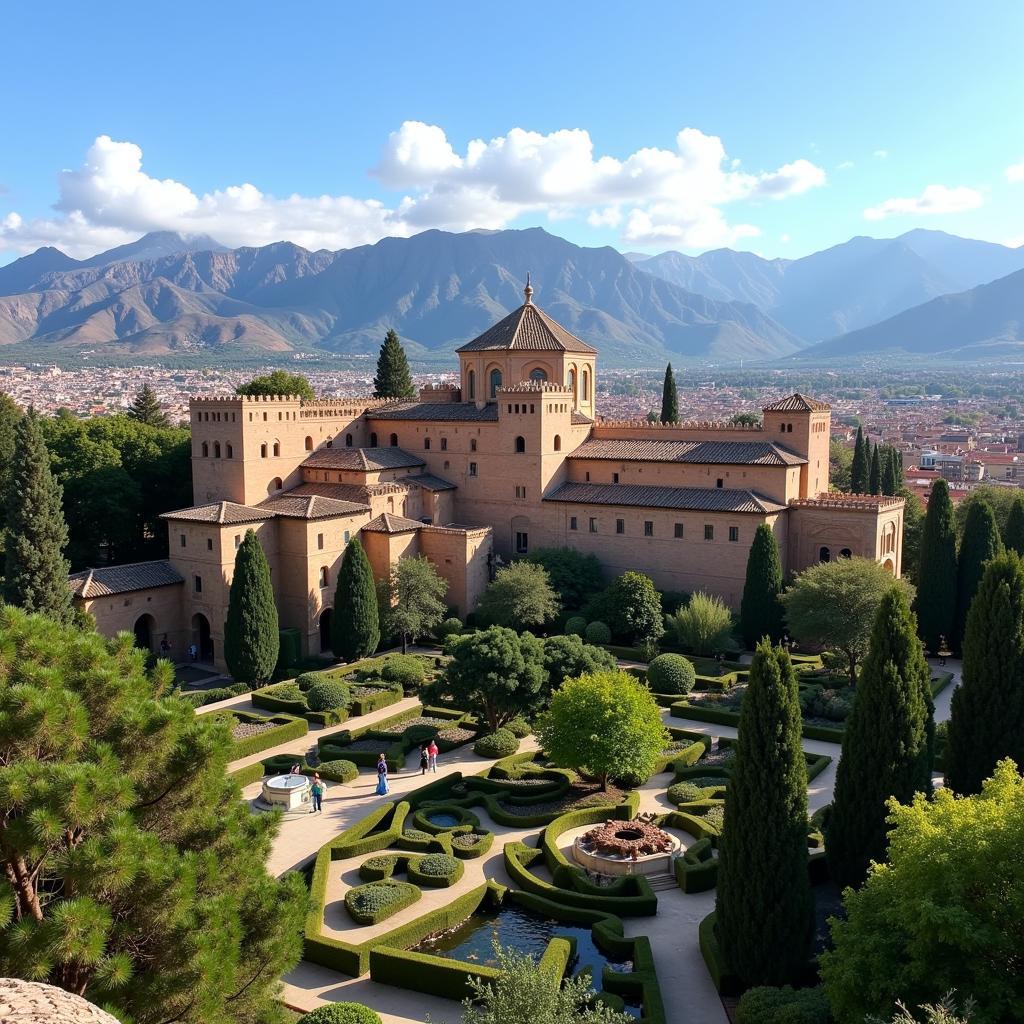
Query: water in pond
[521,929]
[443,819]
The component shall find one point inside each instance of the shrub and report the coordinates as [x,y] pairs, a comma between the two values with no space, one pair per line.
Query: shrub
[766,1005]
[684,793]
[306,679]
[404,670]
[438,865]
[597,633]
[715,817]
[341,1013]
[375,901]
[327,695]
[671,673]
[450,627]
[502,743]
[575,625]
[337,771]
[704,625]
[520,728]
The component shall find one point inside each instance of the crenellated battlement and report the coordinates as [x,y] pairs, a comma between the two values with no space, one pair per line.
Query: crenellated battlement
[535,387]
[753,428]
[850,502]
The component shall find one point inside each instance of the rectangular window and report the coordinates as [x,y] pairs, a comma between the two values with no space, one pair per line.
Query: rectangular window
[588,476]
[520,492]
[323,576]
[183,541]
[472,469]
[572,522]
[593,524]
[734,533]
[444,444]
[709,532]
[320,542]
[238,541]
[426,444]
[620,525]
[719,482]
[198,584]
[648,528]
[347,535]
[522,543]
[615,478]
[209,543]
[678,531]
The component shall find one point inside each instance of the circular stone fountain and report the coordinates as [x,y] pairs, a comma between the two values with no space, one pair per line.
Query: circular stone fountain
[626,848]
[287,791]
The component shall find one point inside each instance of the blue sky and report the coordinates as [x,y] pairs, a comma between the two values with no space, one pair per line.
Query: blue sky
[333,125]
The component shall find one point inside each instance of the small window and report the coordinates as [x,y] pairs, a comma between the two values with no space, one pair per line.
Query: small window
[734,533]
[323,575]
[206,450]
[495,382]
[183,540]
[522,542]
[348,440]
[782,428]
[447,464]
[558,442]
[230,451]
[444,444]
[709,532]
[593,524]
[373,440]
[846,553]
[587,476]
[309,444]
[538,375]
[197,584]
[276,484]
[620,525]
[648,528]
[263,451]
[678,531]
[520,445]
[520,493]
[472,469]
[824,555]
[238,541]
[216,449]
[719,482]
[426,444]
[319,542]
[347,536]
[472,385]
[209,543]
[472,444]
[572,523]
[277,449]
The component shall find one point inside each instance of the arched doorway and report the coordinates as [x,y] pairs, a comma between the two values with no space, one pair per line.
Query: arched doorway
[890,565]
[144,628]
[201,637]
[824,555]
[325,631]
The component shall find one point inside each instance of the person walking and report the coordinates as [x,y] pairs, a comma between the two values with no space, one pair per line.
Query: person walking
[317,792]
[432,755]
[382,776]
[424,759]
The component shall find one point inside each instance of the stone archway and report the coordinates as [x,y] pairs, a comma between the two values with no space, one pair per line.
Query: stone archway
[144,630]
[890,565]
[201,637]
[325,631]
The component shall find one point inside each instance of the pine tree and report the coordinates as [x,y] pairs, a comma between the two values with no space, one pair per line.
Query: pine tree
[886,745]
[36,571]
[936,575]
[10,413]
[251,639]
[394,379]
[669,398]
[861,469]
[355,624]
[147,409]
[765,910]
[875,475]
[980,542]
[987,721]
[1013,532]
[890,479]
[761,612]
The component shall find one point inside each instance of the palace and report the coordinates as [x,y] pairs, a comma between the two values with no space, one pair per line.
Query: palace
[513,460]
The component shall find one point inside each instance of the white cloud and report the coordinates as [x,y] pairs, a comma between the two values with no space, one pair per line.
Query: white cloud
[845,165]
[880,154]
[1015,173]
[1015,242]
[653,195]
[934,199]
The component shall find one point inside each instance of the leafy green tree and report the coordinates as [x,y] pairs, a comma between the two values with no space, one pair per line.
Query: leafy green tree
[913,527]
[840,470]
[1013,532]
[497,673]
[575,576]
[10,413]
[987,720]
[147,409]
[745,419]
[1000,499]
[134,874]
[875,474]
[631,606]
[981,542]
[519,596]
[946,913]
[764,907]
[394,378]
[703,625]
[606,724]
[834,604]
[860,471]
[279,382]
[936,579]
[355,622]
[886,750]
[761,613]
[35,570]
[415,603]
[566,656]
[669,398]
[251,639]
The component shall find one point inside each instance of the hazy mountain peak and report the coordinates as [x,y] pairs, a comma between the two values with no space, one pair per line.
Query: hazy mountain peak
[153,246]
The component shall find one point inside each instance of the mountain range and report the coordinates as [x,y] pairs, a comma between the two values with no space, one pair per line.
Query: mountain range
[171,294]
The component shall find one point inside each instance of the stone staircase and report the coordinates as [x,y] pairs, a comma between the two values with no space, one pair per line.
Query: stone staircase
[662,882]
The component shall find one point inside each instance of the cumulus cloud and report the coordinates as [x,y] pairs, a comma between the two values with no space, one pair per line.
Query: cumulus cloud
[653,195]
[934,199]
[1015,173]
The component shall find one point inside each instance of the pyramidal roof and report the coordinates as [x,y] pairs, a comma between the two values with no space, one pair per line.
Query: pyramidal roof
[796,403]
[527,329]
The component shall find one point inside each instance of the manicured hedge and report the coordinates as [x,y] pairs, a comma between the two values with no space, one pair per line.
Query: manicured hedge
[421,819]
[520,728]
[502,743]
[200,698]
[249,774]
[340,1013]
[671,674]
[437,870]
[285,728]
[335,771]
[718,716]
[363,704]
[377,901]
[469,845]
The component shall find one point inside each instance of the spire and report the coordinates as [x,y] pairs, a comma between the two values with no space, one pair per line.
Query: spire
[528,290]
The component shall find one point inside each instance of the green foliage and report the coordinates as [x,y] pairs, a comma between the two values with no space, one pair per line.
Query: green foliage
[786,1005]
[416,599]
[860,469]
[10,413]
[438,865]
[148,891]
[981,542]
[875,474]
[450,627]
[834,605]
[328,695]
[945,1011]
[886,748]
[704,625]
[671,673]
[631,606]
[404,670]
[520,728]
[597,633]
[745,419]
[520,595]
[946,913]
[393,379]
[669,398]
[606,724]
[987,721]
[566,656]
[936,595]
[501,743]
[764,906]
[340,1013]
[913,528]
[1000,499]
[147,409]
[761,612]
[251,640]
[891,476]
[575,625]
[337,770]
[377,901]
[355,621]
[576,577]
[840,469]
[1013,531]
[684,793]
[280,382]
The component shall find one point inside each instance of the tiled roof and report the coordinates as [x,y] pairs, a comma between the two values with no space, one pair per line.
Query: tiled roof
[223,513]
[388,522]
[527,329]
[442,412]
[312,506]
[579,419]
[122,579]
[723,453]
[850,502]
[430,482]
[797,403]
[697,499]
[361,459]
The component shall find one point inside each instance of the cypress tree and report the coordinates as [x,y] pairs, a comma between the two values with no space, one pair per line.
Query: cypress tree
[251,640]
[765,910]
[936,575]
[886,745]
[761,612]
[35,570]
[861,468]
[394,379]
[147,409]
[987,721]
[669,398]
[355,624]
[980,542]
[890,479]
[875,475]
[10,413]
[1013,533]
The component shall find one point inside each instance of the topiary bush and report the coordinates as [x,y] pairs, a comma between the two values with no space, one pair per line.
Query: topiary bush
[684,793]
[377,901]
[671,673]
[766,1005]
[341,1013]
[338,771]
[450,627]
[597,633]
[404,670]
[520,728]
[502,743]
[327,695]
[715,817]
[575,625]
[436,869]
[417,734]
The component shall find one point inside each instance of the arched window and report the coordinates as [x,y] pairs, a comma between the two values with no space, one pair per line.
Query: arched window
[309,444]
[324,576]
[394,441]
[789,428]
[520,445]
[570,382]
[263,451]
[206,450]
[426,444]
[558,442]
[230,451]
[782,428]
[824,555]
[216,449]
[373,440]
[277,449]
[538,374]
[391,504]
[495,382]
[586,386]
[275,485]
[348,440]
[472,444]
[846,553]
[471,384]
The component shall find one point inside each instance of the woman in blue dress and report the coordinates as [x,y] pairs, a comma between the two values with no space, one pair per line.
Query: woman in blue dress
[382,776]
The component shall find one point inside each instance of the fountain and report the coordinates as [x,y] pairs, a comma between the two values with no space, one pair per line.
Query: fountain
[636,847]
[287,791]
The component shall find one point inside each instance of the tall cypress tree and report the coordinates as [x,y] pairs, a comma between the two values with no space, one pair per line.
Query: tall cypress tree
[669,398]
[875,475]
[980,542]
[251,639]
[765,910]
[886,745]
[394,378]
[1013,532]
[890,480]
[987,721]
[936,575]
[355,624]
[147,409]
[10,413]
[761,613]
[35,570]
[860,471]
